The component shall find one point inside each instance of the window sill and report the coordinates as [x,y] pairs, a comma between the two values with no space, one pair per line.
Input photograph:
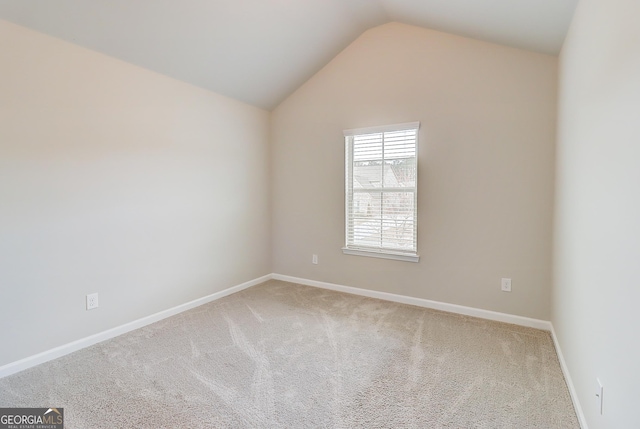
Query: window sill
[382,255]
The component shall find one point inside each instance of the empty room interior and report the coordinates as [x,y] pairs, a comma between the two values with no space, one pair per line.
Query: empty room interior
[323,213]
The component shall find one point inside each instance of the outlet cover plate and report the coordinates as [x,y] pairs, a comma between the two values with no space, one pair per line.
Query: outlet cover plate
[506,285]
[92,301]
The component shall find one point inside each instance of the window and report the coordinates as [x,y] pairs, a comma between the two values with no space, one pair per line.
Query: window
[381,191]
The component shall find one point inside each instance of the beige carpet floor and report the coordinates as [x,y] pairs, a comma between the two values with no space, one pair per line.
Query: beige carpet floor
[280,355]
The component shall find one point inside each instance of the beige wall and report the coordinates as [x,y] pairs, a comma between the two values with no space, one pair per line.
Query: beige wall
[117,180]
[486,162]
[597,219]
[485,167]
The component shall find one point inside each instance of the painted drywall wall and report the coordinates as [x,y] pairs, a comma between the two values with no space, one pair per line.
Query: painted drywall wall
[486,164]
[597,218]
[121,181]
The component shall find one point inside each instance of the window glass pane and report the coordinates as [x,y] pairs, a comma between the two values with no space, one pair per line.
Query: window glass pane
[367,174]
[400,173]
[398,220]
[366,205]
[367,218]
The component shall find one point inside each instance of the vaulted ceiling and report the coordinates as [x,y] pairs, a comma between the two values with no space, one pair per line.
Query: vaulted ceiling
[260,51]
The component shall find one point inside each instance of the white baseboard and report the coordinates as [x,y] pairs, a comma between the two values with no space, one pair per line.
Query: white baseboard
[73,346]
[572,391]
[426,303]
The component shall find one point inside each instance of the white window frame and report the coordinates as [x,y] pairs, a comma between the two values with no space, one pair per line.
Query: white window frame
[351,248]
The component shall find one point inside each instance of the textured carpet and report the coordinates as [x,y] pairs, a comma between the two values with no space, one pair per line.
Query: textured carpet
[280,355]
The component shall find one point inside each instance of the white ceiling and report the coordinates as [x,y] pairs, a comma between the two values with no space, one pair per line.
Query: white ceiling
[260,51]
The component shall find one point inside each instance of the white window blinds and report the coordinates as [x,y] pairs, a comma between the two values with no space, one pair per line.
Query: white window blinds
[381,197]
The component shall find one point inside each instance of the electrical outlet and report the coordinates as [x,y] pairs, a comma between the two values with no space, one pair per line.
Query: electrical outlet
[599,394]
[506,285]
[314,259]
[92,301]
